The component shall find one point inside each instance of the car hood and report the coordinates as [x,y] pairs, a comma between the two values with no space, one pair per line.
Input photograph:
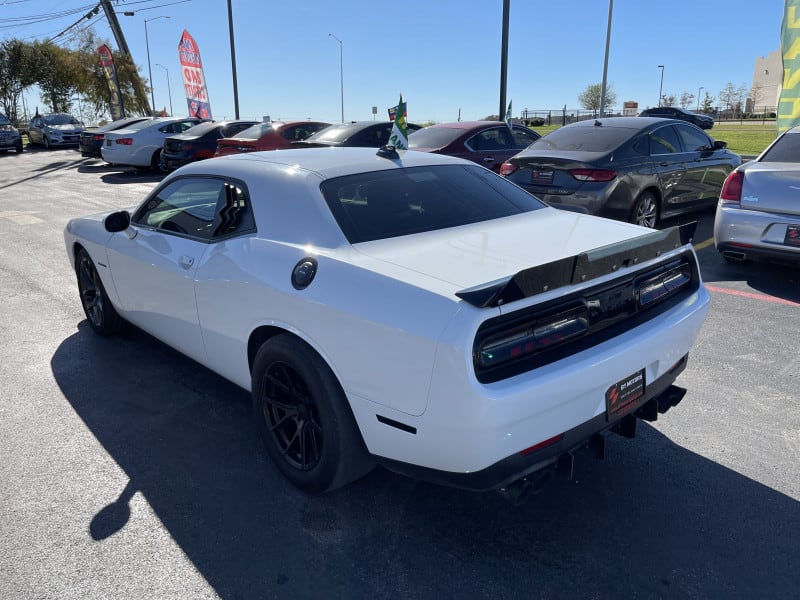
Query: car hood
[66,128]
[492,250]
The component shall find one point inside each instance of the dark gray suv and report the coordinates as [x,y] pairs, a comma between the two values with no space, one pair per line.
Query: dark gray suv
[10,139]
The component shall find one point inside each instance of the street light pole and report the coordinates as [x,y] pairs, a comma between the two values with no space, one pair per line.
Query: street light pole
[169,89]
[341,71]
[661,87]
[149,69]
[698,98]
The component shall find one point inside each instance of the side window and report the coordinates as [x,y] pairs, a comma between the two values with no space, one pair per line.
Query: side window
[693,140]
[664,141]
[491,139]
[234,215]
[522,139]
[185,206]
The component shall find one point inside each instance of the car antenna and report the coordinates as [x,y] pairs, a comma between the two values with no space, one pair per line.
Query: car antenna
[387,151]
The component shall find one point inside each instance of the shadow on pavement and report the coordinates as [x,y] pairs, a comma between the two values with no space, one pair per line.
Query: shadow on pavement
[654,520]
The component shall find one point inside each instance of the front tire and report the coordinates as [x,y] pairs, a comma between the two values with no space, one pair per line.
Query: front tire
[47,143]
[304,418]
[645,210]
[101,314]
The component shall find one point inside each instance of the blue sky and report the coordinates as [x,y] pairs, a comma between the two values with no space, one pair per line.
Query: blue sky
[442,55]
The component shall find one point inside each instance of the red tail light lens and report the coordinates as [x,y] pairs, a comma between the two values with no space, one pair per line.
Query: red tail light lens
[732,188]
[507,169]
[98,137]
[593,174]
[125,141]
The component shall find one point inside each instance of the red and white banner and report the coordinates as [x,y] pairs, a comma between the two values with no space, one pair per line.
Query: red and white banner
[194,82]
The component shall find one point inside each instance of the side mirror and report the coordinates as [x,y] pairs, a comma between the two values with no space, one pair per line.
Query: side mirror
[719,145]
[118,221]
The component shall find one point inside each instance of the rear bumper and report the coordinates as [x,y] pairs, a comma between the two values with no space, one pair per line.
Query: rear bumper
[660,396]
[751,234]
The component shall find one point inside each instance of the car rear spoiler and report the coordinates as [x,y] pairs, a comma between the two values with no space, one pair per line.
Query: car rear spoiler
[579,268]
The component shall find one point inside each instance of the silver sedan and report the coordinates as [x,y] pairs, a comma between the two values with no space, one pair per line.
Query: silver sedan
[758,214]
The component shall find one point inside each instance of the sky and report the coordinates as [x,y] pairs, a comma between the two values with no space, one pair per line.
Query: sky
[443,56]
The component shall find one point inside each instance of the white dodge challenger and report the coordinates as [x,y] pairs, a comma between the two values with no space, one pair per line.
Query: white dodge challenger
[406,309]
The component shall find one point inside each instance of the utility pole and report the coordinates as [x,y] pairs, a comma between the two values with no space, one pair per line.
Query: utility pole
[116,30]
[501,115]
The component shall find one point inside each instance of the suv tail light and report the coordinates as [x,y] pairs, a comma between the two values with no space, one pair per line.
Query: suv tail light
[125,141]
[98,137]
[732,188]
[507,169]
[593,174]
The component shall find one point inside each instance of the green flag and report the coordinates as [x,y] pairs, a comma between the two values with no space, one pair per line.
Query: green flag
[399,135]
[789,103]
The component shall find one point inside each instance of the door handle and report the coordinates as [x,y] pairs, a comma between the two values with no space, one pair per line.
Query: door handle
[489,159]
[186,261]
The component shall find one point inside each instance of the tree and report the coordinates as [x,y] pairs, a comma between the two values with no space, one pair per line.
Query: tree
[732,96]
[687,99]
[707,106]
[16,74]
[667,99]
[590,97]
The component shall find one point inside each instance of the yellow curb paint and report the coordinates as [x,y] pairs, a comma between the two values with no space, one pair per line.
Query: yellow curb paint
[705,244]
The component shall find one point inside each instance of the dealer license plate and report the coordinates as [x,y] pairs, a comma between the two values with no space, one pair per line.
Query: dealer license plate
[542,176]
[792,237]
[625,395]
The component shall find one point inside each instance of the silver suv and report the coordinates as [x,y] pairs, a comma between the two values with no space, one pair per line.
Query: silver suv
[57,129]
[10,139]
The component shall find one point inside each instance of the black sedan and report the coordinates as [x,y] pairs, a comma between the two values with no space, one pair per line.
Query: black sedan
[673,112]
[362,134]
[198,142]
[636,169]
[91,140]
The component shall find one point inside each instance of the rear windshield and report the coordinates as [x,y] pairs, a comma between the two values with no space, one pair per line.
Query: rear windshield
[584,139]
[433,137]
[386,204]
[201,129]
[255,132]
[335,133]
[786,149]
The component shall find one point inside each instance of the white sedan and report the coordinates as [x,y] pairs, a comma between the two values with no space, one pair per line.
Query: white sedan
[413,310]
[140,144]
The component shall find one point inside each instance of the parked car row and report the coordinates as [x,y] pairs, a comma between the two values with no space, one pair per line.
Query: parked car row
[640,170]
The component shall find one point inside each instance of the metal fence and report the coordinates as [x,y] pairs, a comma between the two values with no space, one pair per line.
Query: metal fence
[564,116]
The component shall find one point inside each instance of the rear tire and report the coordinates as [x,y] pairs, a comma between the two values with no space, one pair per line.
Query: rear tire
[155,161]
[645,210]
[101,314]
[304,417]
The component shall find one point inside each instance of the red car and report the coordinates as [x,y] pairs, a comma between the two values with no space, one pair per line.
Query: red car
[488,143]
[273,135]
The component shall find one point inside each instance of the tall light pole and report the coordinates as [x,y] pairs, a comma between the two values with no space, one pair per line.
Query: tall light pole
[698,98]
[169,89]
[605,62]
[341,71]
[661,87]
[149,69]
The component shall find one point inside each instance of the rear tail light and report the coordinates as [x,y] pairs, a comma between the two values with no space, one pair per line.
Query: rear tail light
[125,141]
[732,188]
[507,169]
[539,333]
[98,137]
[656,288]
[593,174]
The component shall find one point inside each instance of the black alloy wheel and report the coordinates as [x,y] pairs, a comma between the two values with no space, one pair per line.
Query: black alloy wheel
[100,313]
[304,417]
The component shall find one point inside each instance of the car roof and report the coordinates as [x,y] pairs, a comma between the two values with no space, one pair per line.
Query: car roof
[325,163]
[469,124]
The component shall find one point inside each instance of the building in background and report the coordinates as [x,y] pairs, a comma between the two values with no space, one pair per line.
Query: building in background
[767,79]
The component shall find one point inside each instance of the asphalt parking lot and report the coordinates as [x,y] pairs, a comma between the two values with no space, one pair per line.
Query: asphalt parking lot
[128,471]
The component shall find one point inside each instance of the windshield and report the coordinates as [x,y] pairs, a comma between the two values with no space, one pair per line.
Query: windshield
[584,139]
[335,133]
[433,137]
[384,204]
[61,120]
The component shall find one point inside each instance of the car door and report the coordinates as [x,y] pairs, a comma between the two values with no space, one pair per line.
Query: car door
[154,262]
[669,161]
[706,168]
[491,147]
